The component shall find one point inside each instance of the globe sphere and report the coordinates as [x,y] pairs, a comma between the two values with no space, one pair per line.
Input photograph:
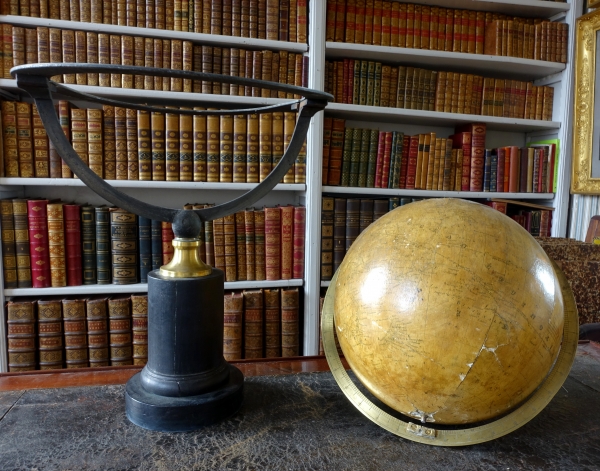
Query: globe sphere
[448,311]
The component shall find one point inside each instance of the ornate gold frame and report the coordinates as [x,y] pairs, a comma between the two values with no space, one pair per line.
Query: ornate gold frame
[587,27]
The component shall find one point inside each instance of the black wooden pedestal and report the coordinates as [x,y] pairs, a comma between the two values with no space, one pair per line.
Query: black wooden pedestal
[186,383]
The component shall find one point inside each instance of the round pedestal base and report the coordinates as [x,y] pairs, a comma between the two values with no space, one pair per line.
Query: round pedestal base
[183,414]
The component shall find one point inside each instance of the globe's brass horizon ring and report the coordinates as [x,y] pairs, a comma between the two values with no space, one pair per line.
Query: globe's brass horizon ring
[468,435]
[35,80]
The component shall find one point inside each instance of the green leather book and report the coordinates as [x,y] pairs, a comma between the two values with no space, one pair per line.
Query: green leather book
[355,157]
[372,157]
[362,96]
[88,241]
[392,160]
[363,157]
[377,85]
[370,82]
[356,83]
[346,157]
[156,244]
[103,270]
[398,151]
[400,91]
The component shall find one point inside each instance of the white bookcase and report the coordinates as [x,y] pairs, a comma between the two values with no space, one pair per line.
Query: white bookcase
[501,131]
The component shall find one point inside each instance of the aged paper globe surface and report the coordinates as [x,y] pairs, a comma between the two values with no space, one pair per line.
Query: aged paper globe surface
[448,311]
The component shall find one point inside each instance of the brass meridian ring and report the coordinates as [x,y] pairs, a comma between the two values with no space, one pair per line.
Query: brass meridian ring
[468,435]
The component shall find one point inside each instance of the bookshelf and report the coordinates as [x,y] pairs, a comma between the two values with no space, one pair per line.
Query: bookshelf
[501,131]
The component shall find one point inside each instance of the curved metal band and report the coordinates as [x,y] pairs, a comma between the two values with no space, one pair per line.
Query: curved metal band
[34,80]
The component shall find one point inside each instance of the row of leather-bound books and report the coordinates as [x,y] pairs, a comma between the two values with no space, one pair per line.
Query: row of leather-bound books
[344,219]
[396,24]
[124,144]
[81,332]
[279,20]
[53,244]
[371,83]
[369,158]
[22,45]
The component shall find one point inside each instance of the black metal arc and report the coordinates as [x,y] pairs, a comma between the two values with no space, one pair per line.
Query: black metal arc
[33,78]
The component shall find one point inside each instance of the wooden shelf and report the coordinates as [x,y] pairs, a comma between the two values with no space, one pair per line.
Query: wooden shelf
[435,118]
[208,39]
[523,8]
[346,190]
[137,288]
[491,66]
[297,187]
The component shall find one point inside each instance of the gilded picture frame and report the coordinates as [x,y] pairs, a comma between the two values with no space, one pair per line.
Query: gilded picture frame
[585,177]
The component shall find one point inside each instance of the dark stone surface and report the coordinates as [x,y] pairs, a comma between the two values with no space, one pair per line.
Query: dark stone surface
[7,400]
[295,422]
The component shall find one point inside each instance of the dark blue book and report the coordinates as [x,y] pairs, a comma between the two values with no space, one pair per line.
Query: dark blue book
[487,170]
[145,241]
[494,172]
[394,202]
[103,265]
[88,242]
[404,201]
[156,244]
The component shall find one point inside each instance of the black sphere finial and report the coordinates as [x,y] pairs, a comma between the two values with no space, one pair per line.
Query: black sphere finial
[186,225]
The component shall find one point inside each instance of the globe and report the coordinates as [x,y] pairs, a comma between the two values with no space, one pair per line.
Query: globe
[448,311]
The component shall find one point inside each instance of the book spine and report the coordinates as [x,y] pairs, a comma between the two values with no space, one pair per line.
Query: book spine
[120,333]
[172,146]
[97,331]
[253,324]
[121,168]
[75,333]
[339,232]
[273,243]
[156,244]
[240,242]
[144,145]
[157,126]
[88,246]
[298,242]
[327,238]
[41,158]
[124,246]
[272,323]
[21,241]
[233,326]
[9,137]
[109,144]
[103,262]
[219,243]
[50,335]
[290,331]
[139,328]
[477,156]
[336,152]
[56,245]
[286,240]
[9,254]
[145,248]
[167,237]
[21,336]
[94,141]
[250,274]
[260,244]
[199,143]
[72,222]
[229,246]
[25,140]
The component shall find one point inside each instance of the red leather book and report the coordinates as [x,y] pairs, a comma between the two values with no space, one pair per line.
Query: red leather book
[513,181]
[411,170]
[273,243]
[167,241]
[506,169]
[478,131]
[346,97]
[287,235]
[387,155]
[336,152]
[497,205]
[253,324]
[500,172]
[379,161]
[72,215]
[299,228]
[37,215]
[259,244]
[462,140]
[290,330]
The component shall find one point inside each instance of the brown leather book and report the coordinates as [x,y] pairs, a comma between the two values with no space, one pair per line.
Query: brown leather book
[18,45]
[172,146]
[286,240]
[289,124]
[104,47]
[252,149]
[290,330]
[148,62]
[120,332]
[144,145]
[298,242]
[167,237]
[548,102]
[124,246]
[277,137]
[50,334]
[185,148]
[157,128]
[56,239]
[327,221]
[94,141]
[253,324]
[176,63]
[109,142]
[339,232]
[265,145]
[259,245]
[121,143]
[139,318]
[230,245]
[352,222]
[239,139]
[272,20]
[116,80]
[213,152]
[91,56]
[21,335]
[97,331]
[219,244]
[132,144]
[75,333]
[273,243]
[127,58]
[166,64]
[250,269]
[79,138]
[336,152]
[10,140]
[226,148]
[199,145]
[41,157]
[25,139]
[7,49]
[158,54]
[233,326]
[272,323]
